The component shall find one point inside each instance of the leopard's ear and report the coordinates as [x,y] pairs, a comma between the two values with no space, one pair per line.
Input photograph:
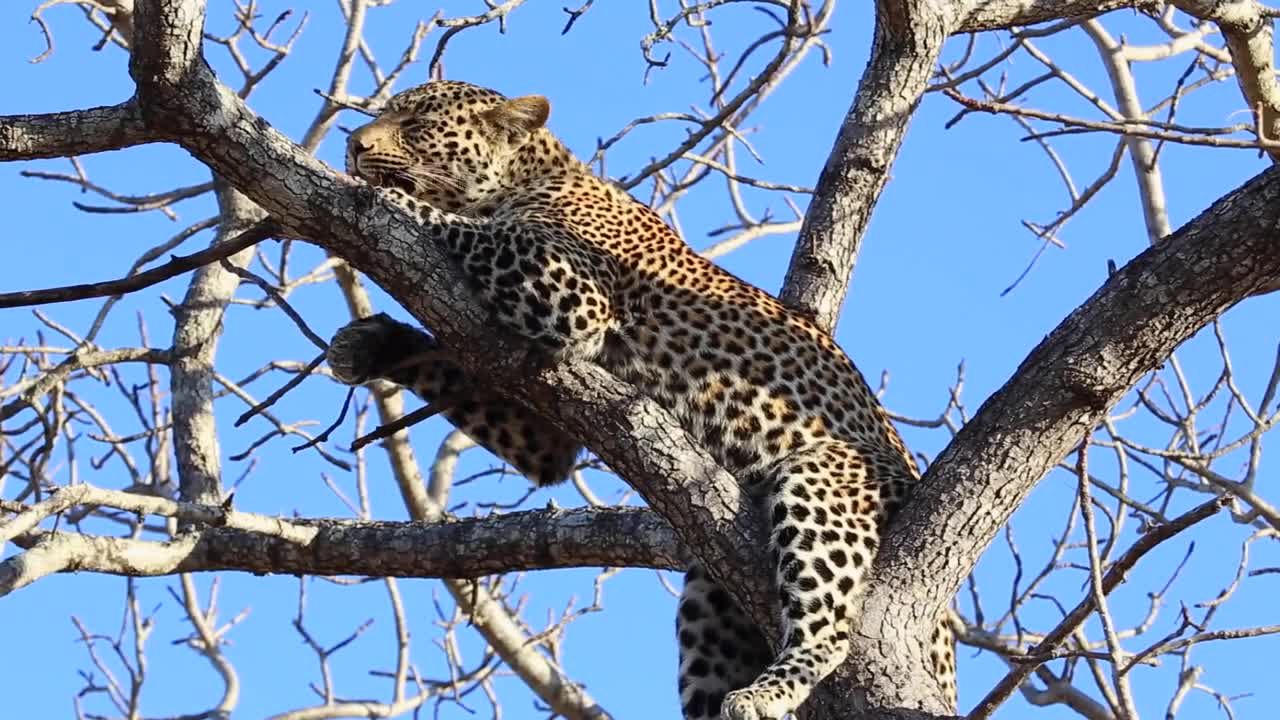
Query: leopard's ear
[522,115]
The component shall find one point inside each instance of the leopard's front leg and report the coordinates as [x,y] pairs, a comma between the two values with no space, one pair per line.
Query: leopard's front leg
[379,347]
[537,278]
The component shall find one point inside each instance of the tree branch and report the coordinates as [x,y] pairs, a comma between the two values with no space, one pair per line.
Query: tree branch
[973,16]
[197,330]
[178,265]
[1067,383]
[1059,392]
[76,132]
[908,39]
[492,617]
[169,38]
[70,496]
[472,548]
[34,388]
[1248,28]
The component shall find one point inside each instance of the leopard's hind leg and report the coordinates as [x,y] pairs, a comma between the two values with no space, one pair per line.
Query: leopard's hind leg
[826,511]
[721,649]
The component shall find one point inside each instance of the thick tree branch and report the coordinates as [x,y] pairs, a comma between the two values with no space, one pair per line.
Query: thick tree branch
[974,16]
[1068,382]
[170,34]
[908,39]
[77,132]
[472,548]
[197,331]
[1061,390]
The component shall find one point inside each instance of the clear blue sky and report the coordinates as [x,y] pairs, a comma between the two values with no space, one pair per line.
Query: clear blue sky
[945,240]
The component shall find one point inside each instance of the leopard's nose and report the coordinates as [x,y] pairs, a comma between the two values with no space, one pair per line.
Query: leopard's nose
[359,143]
[362,140]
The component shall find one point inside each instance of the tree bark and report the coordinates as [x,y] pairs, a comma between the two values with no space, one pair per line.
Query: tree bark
[1060,392]
[461,549]
[908,41]
[196,331]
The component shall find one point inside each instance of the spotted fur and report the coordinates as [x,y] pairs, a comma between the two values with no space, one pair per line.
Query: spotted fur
[587,272]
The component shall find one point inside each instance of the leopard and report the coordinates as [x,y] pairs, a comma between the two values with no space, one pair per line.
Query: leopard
[583,271]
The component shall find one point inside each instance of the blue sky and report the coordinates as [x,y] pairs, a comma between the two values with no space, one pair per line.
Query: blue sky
[944,241]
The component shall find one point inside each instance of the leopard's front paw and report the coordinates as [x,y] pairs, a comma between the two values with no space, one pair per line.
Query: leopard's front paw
[374,347]
[756,703]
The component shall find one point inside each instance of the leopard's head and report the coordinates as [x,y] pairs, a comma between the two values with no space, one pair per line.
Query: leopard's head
[451,144]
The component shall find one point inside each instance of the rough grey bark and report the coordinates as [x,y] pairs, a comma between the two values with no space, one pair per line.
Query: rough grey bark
[982,15]
[462,549]
[74,132]
[1057,395]
[908,40]
[196,331]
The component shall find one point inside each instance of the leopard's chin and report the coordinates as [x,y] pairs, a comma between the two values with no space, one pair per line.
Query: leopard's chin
[393,180]
[405,185]
[387,180]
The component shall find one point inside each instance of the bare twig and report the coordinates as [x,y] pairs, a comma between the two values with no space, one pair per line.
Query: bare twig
[391,428]
[1113,577]
[178,265]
